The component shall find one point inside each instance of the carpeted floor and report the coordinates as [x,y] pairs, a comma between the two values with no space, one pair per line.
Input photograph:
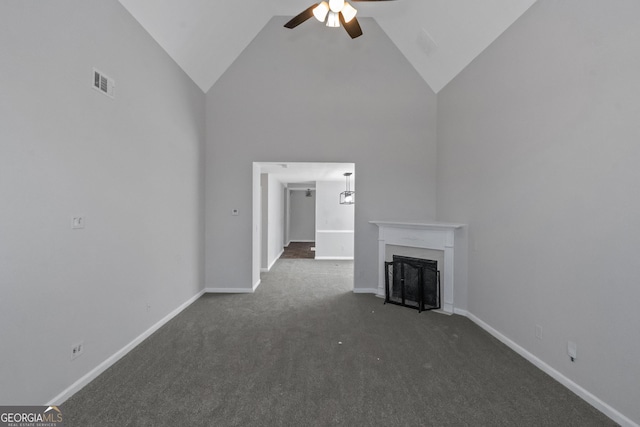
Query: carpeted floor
[299,250]
[304,350]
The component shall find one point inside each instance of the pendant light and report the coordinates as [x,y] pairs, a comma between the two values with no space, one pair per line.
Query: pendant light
[348,197]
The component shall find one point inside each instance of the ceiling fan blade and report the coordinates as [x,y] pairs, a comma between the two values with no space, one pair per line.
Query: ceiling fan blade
[352,27]
[301,17]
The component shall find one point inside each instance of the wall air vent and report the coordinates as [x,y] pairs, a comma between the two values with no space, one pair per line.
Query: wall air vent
[103,83]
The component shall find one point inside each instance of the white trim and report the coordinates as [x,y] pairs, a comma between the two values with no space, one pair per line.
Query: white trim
[231,290]
[461,312]
[433,225]
[276,259]
[301,241]
[365,290]
[266,270]
[334,258]
[95,372]
[577,389]
[335,231]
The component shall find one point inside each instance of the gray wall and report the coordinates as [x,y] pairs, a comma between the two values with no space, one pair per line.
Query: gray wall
[302,216]
[538,151]
[316,95]
[264,221]
[330,214]
[272,223]
[275,219]
[131,165]
[334,222]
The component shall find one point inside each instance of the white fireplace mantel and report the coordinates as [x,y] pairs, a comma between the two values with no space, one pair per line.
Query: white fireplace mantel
[427,235]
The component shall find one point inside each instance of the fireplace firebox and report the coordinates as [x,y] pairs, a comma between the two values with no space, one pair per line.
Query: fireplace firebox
[412,282]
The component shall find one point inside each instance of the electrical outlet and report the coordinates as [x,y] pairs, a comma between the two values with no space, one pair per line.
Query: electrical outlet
[539,332]
[77,350]
[77,222]
[148,307]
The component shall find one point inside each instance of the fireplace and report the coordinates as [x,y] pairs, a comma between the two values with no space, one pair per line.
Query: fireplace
[432,236]
[412,282]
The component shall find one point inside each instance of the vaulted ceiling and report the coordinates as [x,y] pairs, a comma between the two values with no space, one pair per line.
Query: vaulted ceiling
[438,37]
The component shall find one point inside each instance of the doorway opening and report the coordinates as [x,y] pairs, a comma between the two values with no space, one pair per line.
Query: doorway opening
[296,205]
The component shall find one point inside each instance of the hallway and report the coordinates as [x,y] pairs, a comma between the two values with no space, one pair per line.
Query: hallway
[298,250]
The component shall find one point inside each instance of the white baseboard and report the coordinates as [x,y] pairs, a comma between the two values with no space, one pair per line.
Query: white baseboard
[365,290]
[93,374]
[231,290]
[334,258]
[266,270]
[461,312]
[275,259]
[301,241]
[577,389]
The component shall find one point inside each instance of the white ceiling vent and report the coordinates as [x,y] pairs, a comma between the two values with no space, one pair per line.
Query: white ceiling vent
[103,83]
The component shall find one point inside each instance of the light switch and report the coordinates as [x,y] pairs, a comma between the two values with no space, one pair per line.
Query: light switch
[234,212]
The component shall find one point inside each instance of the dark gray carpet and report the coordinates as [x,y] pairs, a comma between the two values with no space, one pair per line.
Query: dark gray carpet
[305,351]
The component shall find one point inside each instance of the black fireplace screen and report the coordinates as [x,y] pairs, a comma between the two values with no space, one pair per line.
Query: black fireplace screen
[412,282]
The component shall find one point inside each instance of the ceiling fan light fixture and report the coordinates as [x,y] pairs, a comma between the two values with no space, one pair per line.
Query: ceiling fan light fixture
[336,5]
[335,12]
[320,12]
[333,19]
[348,12]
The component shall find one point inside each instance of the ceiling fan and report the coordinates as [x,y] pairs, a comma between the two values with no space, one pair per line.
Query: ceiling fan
[335,12]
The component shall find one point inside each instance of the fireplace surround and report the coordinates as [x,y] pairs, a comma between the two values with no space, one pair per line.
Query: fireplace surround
[438,236]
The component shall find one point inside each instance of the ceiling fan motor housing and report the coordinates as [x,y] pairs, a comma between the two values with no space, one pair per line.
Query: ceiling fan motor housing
[335,12]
